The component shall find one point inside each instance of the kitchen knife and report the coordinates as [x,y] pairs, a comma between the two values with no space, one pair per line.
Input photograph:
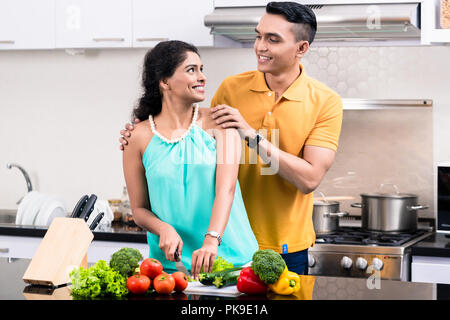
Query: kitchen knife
[89,207]
[178,264]
[96,221]
[79,206]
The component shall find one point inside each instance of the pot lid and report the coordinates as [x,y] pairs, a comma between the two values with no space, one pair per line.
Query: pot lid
[389,195]
[325,203]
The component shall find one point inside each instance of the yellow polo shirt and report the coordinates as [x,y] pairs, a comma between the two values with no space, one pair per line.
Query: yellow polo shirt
[308,113]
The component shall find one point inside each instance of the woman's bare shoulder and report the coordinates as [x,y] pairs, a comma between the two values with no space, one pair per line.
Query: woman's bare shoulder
[140,135]
[142,126]
[206,121]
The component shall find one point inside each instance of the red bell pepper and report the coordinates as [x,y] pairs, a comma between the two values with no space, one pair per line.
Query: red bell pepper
[250,283]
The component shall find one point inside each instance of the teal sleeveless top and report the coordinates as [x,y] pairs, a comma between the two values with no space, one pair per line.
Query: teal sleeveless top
[181,181]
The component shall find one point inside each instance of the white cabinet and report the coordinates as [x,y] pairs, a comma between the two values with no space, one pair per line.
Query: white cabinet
[49,24]
[18,247]
[27,24]
[25,247]
[171,20]
[93,23]
[430,269]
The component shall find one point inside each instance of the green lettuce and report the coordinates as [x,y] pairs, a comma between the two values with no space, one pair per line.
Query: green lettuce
[98,281]
[221,264]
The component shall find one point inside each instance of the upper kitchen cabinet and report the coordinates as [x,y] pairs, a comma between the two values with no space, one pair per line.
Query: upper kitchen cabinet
[93,23]
[27,24]
[433,32]
[171,20]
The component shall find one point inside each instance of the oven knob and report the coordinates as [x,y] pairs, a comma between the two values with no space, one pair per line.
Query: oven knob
[361,263]
[377,264]
[311,260]
[346,262]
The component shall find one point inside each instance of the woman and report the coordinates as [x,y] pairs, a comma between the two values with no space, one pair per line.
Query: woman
[181,168]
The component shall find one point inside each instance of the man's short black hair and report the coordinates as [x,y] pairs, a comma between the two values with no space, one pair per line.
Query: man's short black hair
[301,15]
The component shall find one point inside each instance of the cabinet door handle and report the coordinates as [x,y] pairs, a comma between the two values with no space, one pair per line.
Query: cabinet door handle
[4,250]
[108,39]
[151,39]
[7,42]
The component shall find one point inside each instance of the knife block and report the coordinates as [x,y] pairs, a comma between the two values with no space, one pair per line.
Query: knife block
[64,246]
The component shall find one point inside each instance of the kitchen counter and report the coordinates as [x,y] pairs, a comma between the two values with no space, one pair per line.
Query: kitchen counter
[437,245]
[116,232]
[12,287]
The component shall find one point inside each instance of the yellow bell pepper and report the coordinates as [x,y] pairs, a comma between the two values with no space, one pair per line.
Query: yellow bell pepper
[288,283]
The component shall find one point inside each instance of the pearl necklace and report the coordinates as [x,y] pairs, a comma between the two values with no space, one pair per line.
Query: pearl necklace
[152,126]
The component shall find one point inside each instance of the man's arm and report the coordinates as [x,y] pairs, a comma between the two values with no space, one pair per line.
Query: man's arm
[304,173]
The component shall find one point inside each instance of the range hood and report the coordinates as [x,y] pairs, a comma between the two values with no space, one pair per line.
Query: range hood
[335,22]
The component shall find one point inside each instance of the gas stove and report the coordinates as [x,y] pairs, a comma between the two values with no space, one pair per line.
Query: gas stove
[355,252]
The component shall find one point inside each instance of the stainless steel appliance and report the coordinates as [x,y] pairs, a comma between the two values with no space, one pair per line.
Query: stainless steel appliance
[326,216]
[335,22]
[389,212]
[357,252]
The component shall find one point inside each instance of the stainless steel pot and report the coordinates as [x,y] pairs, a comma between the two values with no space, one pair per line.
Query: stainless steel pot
[326,216]
[389,212]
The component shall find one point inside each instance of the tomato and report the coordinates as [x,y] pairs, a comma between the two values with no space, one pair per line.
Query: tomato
[151,268]
[181,281]
[164,283]
[138,283]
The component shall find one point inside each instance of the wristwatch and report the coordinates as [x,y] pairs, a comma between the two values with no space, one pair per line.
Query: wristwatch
[215,235]
[253,143]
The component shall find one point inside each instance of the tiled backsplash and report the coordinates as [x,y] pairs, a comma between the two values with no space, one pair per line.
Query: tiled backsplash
[367,71]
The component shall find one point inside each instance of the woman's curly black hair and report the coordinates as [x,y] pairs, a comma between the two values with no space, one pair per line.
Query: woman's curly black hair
[159,63]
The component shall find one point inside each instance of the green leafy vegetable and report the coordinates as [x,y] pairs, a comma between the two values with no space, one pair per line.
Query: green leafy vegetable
[125,261]
[100,280]
[221,264]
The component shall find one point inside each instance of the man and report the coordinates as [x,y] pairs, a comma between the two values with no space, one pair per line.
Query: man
[292,121]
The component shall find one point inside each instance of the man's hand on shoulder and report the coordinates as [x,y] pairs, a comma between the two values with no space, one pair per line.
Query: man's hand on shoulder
[229,117]
[126,133]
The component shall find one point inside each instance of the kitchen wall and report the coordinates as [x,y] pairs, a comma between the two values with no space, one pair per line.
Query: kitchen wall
[60,117]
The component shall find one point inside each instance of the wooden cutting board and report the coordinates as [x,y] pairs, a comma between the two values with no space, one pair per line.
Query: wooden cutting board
[198,288]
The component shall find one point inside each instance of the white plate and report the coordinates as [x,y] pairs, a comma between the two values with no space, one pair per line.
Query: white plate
[24,204]
[33,209]
[40,219]
[52,208]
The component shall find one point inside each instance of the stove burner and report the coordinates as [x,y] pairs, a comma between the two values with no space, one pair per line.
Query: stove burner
[358,236]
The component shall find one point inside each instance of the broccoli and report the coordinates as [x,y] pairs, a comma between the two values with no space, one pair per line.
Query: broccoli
[268,265]
[125,261]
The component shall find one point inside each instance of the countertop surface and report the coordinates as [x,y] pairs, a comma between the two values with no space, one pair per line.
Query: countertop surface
[12,287]
[118,231]
[436,245]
